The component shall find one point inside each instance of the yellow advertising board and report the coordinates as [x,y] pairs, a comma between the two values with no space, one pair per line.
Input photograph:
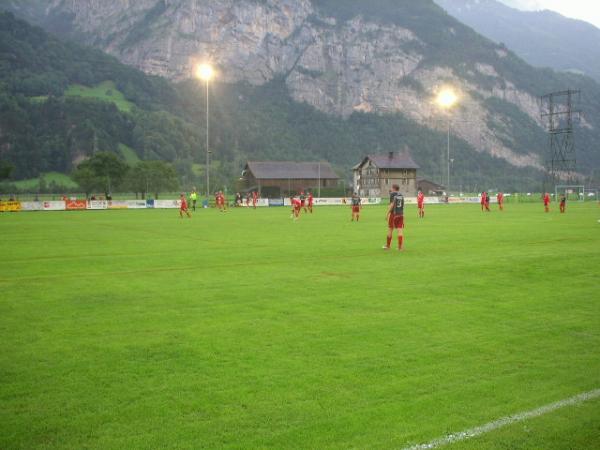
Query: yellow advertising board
[10,206]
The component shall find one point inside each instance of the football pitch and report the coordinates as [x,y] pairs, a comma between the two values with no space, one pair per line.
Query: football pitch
[140,330]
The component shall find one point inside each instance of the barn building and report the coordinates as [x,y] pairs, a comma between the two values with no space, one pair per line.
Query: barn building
[375,175]
[430,188]
[280,178]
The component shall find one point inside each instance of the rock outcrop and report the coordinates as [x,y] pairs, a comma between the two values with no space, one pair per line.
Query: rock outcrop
[338,67]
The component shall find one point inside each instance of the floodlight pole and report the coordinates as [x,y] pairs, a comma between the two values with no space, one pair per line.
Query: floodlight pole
[319,179]
[207,149]
[448,161]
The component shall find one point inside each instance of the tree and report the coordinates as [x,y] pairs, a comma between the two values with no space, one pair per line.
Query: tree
[137,179]
[103,171]
[157,176]
[109,168]
[5,170]
[86,178]
[162,176]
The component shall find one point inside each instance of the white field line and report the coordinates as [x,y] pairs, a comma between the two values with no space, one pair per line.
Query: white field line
[504,421]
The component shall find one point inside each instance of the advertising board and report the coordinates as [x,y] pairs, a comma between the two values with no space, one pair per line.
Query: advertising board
[58,205]
[10,206]
[169,204]
[117,204]
[75,205]
[136,204]
[32,206]
[97,204]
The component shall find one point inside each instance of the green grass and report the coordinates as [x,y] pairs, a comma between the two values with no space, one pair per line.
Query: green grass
[38,98]
[198,169]
[129,154]
[135,329]
[60,179]
[106,91]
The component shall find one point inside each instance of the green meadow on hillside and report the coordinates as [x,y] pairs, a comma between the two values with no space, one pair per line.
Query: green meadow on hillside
[106,91]
[60,179]
[137,329]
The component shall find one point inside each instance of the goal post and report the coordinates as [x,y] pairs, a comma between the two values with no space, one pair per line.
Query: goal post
[572,192]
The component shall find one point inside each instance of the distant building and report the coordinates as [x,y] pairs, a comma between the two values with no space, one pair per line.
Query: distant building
[429,187]
[375,175]
[278,178]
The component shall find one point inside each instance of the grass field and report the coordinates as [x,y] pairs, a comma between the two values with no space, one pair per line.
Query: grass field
[135,329]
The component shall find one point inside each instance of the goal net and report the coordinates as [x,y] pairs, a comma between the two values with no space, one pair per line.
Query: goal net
[572,192]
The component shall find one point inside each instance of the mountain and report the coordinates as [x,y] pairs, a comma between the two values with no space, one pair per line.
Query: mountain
[542,38]
[337,80]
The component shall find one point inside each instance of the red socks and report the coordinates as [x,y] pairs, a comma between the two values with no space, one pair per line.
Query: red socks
[400,241]
[389,241]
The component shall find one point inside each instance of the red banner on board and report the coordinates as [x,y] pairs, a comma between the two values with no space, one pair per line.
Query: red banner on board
[71,205]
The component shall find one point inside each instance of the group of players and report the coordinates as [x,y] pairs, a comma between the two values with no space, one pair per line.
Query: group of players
[394,214]
[485,202]
[301,202]
[220,202]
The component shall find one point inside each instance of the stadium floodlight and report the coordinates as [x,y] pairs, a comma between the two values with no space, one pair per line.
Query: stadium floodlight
[206,73]
[447,98]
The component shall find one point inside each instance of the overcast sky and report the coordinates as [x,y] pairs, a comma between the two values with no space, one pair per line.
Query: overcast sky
[588,10]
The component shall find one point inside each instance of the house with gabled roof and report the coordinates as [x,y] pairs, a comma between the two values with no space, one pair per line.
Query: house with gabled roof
[280,178]
[375,174]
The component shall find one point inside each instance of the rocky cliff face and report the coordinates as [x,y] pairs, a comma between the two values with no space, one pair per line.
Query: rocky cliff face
[338,67]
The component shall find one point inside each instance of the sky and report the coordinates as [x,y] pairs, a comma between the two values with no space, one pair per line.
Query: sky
[588,10]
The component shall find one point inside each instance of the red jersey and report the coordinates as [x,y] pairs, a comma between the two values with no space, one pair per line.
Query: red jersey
[500,197]
[296,203]
[420,199]
[310,199]
[183,206]
[546,199]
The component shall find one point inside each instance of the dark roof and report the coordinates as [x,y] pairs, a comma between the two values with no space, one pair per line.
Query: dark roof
[421,181]
[392,161]
[294,170]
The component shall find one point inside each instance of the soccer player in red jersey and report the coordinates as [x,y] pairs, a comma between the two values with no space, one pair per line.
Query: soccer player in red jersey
[563,203]
[547,202]
[356,203]
[500,199]
[296,206]
[482,200]
[183,207]
[310,202]
[254,199]
[395,217]
[421,204]
[303,201]
[220,201]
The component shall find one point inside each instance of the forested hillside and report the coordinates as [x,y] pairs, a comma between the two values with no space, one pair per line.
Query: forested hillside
[45,127]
